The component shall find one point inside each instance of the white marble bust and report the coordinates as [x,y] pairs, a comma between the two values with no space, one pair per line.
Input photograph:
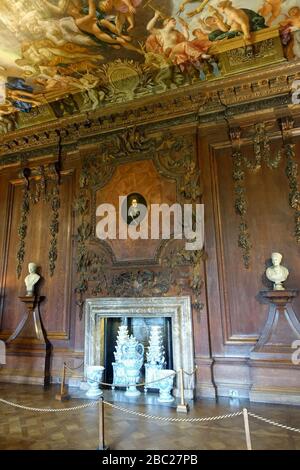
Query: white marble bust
[32,279]
[277,273]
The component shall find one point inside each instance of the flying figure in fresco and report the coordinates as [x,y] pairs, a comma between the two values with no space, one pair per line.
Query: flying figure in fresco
[124,10]
[92,22]
[59,31]
[272,8]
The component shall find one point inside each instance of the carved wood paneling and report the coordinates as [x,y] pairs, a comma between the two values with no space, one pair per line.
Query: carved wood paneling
[237,315]
[163,167]
[227,316]
[56,308]
[5,214]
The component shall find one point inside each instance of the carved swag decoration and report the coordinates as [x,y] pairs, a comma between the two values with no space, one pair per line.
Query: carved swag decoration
[40,184]
[263,155]
[96,274]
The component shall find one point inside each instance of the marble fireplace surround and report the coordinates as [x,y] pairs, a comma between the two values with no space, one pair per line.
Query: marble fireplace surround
[176,308]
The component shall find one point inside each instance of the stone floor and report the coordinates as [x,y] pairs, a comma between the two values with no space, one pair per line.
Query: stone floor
[20,429]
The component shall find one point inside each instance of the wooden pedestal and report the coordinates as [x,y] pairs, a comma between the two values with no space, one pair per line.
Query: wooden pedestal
[29,341]
[275,379]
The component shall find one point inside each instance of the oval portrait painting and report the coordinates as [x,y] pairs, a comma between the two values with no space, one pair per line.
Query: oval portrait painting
[134,209]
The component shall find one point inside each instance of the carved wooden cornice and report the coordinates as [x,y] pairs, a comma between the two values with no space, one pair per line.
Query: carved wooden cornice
[210,101]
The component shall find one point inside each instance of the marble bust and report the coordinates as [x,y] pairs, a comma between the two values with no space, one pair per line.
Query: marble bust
[32,279]
[277,273]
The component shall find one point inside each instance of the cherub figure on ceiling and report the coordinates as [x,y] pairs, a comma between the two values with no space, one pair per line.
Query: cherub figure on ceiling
[271,9]
[92,21]
[124,11]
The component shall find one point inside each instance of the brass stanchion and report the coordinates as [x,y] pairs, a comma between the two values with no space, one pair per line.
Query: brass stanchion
[247,429]
[182,407]
[102,445]
[63,395]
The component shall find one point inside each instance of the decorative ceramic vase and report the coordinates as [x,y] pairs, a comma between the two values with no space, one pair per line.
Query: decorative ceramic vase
[132,360]
[119,373]
[94,377]
[165,385]
[120,377]
[122,338]
[155,357]
[156,352]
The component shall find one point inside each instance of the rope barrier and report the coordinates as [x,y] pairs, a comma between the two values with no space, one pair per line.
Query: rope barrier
[274,423]
[48,410]
[125,410]
[168,419]
[144,415]
[101,419]
[143,384]
[191,373]
[71,369]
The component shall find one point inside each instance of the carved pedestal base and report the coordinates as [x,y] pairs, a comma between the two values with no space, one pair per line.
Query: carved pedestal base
[30,344]
[275,379]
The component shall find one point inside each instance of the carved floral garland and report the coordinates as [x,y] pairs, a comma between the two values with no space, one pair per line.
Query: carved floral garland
[263,154]
[41,183]
[22,229]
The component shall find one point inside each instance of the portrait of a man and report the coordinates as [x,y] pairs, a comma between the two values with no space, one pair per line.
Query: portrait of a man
[135,209]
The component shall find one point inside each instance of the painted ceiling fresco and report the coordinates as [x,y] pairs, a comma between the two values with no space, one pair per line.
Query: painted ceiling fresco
[65,56]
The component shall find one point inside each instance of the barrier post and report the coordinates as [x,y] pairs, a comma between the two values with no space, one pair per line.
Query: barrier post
[182,407]
[102,445]
[247,429]
[63,395]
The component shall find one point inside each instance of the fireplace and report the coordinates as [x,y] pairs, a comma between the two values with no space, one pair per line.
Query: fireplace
[102,316]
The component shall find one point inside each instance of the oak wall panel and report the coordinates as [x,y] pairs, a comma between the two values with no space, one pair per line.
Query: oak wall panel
[55,310]
[271,227]
[232,317]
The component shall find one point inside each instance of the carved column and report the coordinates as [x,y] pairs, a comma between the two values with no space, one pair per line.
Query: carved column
[275,378]
[30,343]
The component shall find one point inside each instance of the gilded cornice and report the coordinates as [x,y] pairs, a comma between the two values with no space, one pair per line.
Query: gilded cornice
[268,87]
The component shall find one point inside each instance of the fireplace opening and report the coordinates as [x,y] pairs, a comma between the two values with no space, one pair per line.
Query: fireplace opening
[140,328]
[104,316]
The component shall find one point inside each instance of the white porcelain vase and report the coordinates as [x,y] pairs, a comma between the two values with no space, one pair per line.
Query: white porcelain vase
[132,360]
[94,377]
[165,385]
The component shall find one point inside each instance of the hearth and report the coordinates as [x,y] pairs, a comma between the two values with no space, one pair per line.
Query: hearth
[140,328]
[103,316]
